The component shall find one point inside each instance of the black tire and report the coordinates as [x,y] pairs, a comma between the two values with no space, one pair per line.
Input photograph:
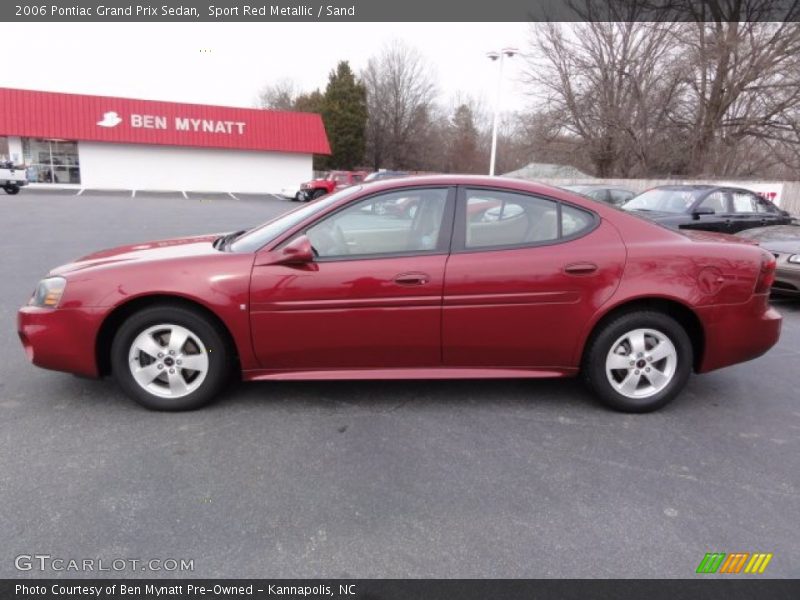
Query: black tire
[600,349]
[318,194]
[12,189]
[217,352]
[298,197]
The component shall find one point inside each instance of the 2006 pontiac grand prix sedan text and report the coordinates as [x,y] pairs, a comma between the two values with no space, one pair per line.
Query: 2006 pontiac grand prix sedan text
[428,277]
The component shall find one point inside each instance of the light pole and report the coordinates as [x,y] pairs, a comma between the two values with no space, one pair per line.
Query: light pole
[493,56]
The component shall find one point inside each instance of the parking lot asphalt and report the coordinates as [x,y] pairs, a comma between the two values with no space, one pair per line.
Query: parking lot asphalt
[376,479]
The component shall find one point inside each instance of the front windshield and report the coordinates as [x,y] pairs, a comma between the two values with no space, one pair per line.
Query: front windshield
[662,200]
[263,234]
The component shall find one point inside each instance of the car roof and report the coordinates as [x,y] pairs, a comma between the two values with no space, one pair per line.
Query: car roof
[509,183]
[477,180]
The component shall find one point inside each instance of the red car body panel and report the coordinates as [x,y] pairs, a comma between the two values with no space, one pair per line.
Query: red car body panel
[523,312]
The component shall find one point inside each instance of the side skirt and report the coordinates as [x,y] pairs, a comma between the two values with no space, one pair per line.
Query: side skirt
[408,373]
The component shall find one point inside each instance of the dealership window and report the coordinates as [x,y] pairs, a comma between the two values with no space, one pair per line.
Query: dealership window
[4,148]
[51,161]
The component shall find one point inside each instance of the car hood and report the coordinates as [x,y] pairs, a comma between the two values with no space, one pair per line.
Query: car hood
[146,252]
[713,236]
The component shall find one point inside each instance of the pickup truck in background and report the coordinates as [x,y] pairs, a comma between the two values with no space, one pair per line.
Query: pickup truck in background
[12,177]
[332,181]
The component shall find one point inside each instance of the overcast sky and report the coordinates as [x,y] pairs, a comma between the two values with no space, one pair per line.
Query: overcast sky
[164,61]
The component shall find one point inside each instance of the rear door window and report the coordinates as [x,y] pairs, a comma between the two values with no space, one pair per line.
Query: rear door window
[743,202]
[497,219]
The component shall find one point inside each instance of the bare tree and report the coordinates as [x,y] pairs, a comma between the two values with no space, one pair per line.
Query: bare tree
[610,84]
[742,81]
[688,96]
[400,98]
[280,95]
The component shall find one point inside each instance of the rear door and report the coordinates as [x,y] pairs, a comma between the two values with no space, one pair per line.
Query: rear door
[744,214]
[524,275]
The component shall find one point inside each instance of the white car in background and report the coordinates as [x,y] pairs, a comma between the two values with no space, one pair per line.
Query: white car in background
[12,177]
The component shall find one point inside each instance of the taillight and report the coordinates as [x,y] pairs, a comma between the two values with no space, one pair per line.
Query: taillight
[766,276]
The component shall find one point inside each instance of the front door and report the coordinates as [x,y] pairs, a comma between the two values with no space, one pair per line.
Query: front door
[372,297]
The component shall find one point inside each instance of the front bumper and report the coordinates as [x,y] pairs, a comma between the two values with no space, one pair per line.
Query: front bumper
[738,333]
[61,339]
[787,277]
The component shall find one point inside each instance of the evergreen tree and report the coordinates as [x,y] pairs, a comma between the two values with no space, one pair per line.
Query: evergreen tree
[344,112]
[464,155]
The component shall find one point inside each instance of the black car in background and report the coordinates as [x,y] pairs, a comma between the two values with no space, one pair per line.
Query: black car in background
[707,207]
[609,194]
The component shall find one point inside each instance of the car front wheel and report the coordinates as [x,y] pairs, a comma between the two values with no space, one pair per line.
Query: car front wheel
[639,361]
[12,189]
[170,358]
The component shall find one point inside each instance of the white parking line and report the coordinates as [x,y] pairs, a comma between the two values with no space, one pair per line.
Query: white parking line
[133,193]
[80,191]
[232,196]
[185,197]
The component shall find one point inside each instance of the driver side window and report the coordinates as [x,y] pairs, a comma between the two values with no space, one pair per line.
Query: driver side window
[400,222]
[715,201]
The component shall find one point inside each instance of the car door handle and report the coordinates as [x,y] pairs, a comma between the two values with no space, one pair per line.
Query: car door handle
[412,279]
[580,268]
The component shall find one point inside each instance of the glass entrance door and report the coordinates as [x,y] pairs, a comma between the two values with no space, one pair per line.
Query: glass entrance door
[51,161]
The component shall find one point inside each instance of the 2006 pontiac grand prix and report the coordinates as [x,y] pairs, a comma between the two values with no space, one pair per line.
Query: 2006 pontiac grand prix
[426,277]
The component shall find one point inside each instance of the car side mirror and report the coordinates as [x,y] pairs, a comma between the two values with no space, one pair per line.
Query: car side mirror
[698,212]
[296,252]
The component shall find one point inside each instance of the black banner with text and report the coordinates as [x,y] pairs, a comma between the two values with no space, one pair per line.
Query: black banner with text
[393,11]
[399,589]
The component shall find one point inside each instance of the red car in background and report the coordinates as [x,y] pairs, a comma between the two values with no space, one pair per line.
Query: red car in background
[333,181]
[488,277]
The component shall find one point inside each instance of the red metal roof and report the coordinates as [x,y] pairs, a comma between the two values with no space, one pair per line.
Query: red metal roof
[28,113]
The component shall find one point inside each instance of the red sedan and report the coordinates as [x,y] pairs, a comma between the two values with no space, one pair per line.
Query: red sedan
[488,277]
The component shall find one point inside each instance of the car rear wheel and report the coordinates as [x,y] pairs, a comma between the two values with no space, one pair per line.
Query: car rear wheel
[170,358]
[318,194]
[639,361]
[12,189]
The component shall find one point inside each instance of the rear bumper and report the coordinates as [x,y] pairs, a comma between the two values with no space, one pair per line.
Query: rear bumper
[60,339]
[738,333]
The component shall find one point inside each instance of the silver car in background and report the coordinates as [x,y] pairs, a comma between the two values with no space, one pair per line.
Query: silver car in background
[784,243]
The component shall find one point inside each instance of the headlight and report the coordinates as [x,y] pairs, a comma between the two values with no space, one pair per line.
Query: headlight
[48,293]
[794,259]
